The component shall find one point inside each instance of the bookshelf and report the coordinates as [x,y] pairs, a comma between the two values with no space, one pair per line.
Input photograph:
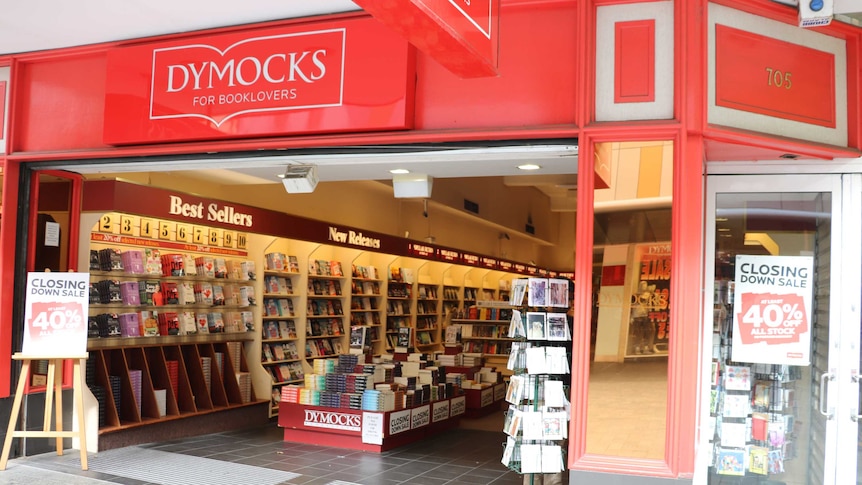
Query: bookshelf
[326,299]
[488,337]
[366,305]
[399,303]
[170,321]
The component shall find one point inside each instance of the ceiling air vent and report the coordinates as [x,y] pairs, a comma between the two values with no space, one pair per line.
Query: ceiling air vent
[471,206]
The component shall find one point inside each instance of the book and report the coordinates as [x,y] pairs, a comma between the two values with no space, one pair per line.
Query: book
[271,329]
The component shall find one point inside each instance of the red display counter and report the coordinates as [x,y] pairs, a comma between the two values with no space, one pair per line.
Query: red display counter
[375,431]
[482,402]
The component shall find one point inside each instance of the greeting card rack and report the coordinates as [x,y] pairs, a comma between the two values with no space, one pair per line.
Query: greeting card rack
[536,422]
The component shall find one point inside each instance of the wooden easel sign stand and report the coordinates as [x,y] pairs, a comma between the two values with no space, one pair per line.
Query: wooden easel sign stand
[54,330]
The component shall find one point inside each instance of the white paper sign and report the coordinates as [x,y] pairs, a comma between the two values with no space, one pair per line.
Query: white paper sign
[372,428]
[772,309]
[55,314]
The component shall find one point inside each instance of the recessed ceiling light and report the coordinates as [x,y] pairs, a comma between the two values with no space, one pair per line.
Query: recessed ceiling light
[529,166]
[399,171]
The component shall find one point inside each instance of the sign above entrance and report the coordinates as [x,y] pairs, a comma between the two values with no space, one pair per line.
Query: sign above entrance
[353,75]
[462,35]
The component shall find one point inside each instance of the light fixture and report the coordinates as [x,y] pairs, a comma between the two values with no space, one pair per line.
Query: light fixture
[529,166]
[412,185]
[300,179]
[763,240]
[399,171]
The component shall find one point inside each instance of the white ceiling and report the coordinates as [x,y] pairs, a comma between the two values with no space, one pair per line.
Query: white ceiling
[34,25]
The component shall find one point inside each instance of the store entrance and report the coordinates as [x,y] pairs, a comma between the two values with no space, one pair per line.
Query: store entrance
[781,392]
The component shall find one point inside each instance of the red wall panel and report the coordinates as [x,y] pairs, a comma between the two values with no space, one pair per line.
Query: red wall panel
[634,73]
[61,100]
[536,82]
[60,103]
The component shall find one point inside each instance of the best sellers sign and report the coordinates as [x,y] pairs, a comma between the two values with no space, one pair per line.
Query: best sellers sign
[772,309]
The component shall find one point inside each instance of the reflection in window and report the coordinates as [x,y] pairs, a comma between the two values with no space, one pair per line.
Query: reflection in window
[627,404]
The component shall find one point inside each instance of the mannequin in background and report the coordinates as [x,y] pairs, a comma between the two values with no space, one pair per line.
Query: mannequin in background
[642,329]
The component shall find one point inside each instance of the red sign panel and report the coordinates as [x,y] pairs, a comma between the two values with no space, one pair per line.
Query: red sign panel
[2,107]
[767,76]
[350,76]
[268,73]
[462,35]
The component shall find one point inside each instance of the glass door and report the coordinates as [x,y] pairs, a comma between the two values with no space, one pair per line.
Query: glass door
[781,395]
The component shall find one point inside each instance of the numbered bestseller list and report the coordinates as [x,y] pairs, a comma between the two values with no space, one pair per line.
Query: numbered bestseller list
[55,322]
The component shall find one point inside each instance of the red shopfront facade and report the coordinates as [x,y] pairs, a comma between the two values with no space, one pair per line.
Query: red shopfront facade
[600,71]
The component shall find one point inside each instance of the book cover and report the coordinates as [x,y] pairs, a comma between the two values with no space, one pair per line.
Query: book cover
[220,267]
[271,329]
[775,462]
[287,329]
[202,321]
[271,284]
[405,339]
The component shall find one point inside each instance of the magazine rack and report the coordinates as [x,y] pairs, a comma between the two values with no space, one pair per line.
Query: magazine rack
[54,390]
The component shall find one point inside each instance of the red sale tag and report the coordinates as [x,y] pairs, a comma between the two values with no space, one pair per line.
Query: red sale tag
[771,318]
[52,318]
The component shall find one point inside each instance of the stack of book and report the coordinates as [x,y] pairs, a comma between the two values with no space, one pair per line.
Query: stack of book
[135,378]
[173,375]
[206,365]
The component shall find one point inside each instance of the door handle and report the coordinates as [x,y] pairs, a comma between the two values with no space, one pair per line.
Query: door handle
[827,376]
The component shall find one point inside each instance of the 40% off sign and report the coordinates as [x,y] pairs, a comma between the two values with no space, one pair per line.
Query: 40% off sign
[768,316]
[55,314]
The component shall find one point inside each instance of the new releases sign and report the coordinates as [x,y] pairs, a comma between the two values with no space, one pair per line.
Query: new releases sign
[55,314]
[266,73]
[772,309]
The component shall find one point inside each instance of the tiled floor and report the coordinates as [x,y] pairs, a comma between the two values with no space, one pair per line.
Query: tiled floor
[456,456]
[626,417]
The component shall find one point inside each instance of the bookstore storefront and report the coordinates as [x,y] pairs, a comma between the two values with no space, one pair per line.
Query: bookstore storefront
[199,159]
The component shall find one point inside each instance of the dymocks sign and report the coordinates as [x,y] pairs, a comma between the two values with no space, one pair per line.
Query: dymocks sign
[322,77]
[265,73]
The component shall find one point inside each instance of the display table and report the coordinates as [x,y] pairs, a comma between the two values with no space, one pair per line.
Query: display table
[375,431]
[482,402]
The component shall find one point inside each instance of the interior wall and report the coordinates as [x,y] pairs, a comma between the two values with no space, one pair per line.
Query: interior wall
[371,205]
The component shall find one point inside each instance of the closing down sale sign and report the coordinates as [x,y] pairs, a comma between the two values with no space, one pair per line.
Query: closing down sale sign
[772,309]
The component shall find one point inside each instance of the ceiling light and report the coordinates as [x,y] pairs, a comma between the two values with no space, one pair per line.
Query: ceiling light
[529,166]
[412,185]
[399,171]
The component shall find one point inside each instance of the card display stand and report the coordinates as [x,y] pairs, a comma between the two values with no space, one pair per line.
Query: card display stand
[348,428]
[54,390]
[536,421]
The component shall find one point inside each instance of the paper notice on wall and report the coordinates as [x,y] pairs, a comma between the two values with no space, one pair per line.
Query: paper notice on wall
[372,428]
[772,309]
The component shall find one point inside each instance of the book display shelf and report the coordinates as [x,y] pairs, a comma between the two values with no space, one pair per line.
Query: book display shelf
[279,340]
[536,422]
[399,308]
[366,308]
[172,307]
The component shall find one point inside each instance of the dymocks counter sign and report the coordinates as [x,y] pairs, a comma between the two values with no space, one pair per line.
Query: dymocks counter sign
[772,309]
